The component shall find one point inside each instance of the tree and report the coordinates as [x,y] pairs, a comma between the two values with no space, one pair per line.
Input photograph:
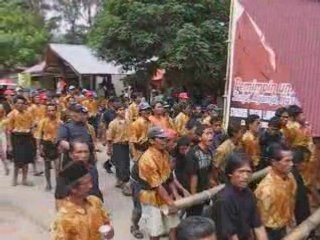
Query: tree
[76,17]
[187,38]
[23,34]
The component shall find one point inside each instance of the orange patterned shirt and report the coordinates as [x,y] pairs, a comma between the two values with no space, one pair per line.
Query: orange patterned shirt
[222,152]
[38,112]
[91,105]
[180,123]
[276,200]
[154,168]
[161,121]
[133,112]
[138,134]
[299,135]
[118,131]
[48,129]
[139,130]
[77,223]
[21,122]
[251,146]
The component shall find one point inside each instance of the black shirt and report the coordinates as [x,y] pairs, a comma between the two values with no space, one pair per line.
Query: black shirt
[180,170]
[199,162]
[266,140]
[108,116]
[236,213]
[71,131]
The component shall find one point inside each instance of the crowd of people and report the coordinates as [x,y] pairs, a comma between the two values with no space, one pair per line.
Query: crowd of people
[161,152]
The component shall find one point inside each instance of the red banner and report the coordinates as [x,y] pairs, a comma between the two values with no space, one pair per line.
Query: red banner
[263,71]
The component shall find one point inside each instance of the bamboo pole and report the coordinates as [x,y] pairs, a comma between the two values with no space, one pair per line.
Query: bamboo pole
[304,229]
[208,194]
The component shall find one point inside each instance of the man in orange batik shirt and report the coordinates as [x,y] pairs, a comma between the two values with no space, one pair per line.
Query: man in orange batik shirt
[276,193]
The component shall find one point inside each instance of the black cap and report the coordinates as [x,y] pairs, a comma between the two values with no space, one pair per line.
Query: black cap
[73,172]
[78,108]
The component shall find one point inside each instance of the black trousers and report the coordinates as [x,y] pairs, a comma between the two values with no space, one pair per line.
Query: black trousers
[121,160]
[136,212]
[195,210]
[276,234]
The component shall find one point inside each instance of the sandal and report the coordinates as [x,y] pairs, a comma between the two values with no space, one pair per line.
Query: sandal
[137,234]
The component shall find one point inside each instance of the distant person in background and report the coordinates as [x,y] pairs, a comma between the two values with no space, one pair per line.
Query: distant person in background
[118,145]
[133,109]
[228,146]
[101,91]
[269,137]
[181,120]
[219,135]
[250,140]
[8,101]
[183,97]
[108,116]
[283,114]
[196,228]
[180,160]
[158,118]
[3,140]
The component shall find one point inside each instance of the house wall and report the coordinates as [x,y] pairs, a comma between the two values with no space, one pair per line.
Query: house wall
[116,81]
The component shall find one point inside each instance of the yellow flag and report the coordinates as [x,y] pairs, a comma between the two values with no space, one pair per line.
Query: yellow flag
[24,80]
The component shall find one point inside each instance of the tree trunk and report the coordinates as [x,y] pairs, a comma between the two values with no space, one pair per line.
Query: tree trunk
[206,195]
[303,230]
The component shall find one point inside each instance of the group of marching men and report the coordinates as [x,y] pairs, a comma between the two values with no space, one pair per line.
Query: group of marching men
[176,151]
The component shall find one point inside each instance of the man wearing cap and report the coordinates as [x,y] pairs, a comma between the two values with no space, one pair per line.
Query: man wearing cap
[183,97]
[157,183]
[19,91]
[118,145]
[72,92]
[182,119]
[80,216]
[74,129]
[91,104]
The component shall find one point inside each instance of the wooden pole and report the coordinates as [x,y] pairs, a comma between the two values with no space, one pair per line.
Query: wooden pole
[208,194]
[303,230]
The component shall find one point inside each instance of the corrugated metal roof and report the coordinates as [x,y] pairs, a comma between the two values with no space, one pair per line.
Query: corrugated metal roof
[292,27]
[82,59]
[36,68]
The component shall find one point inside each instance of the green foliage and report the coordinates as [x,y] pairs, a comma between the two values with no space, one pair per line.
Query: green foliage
[77,17]
[187,38]
[23,35]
